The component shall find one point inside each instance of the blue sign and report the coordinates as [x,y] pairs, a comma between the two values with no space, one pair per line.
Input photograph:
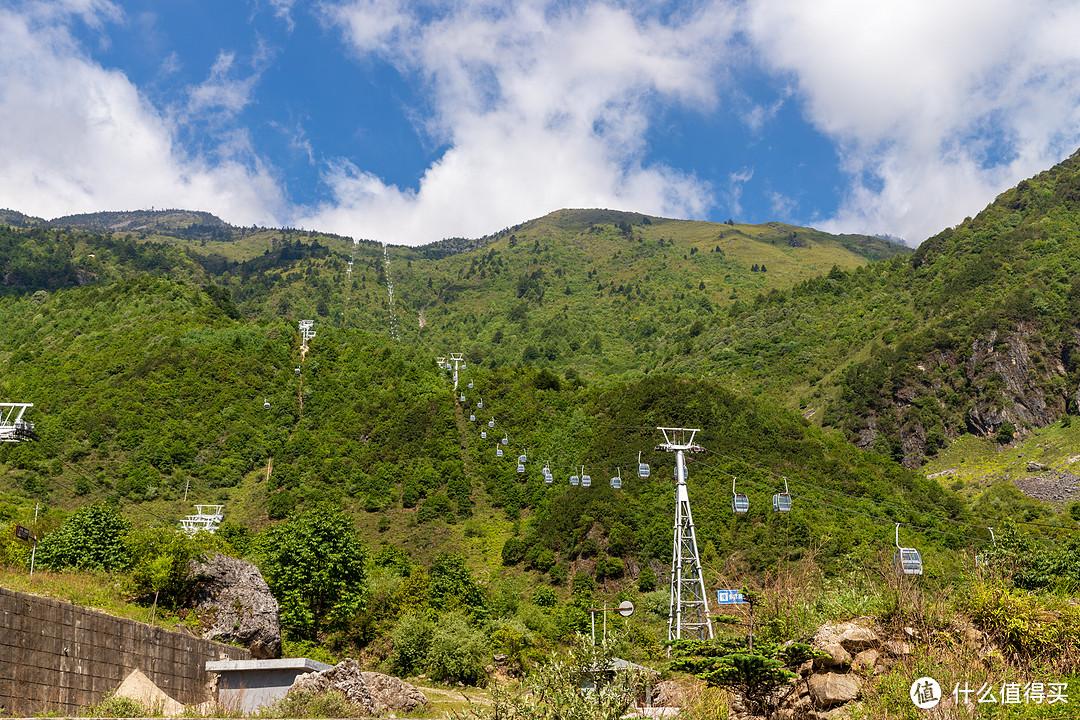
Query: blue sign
[729,597]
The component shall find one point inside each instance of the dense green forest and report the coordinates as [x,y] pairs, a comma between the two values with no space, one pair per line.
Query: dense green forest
[165,367]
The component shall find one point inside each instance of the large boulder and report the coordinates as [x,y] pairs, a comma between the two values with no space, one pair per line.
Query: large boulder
[346,677]
[833,689]
[235,605]
[389,693]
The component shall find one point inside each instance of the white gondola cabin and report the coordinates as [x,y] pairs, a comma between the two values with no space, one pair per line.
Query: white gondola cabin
[470,386]
[616,482]
[575,480]
[462,398]
[781,502]
[642,468]
[483,434]
[521,459]
[740,504]
[472,418]
[505,440]
[907,561]
[520,468]
[491,423]
[498,451]
[480,404]
[266,404]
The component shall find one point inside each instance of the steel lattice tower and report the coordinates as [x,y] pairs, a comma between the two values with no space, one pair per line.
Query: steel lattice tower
[688,615]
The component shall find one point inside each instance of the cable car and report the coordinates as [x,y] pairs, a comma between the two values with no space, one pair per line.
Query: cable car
[491,423]
[522,458]
[297,370]
[521,468]
[980,560]
[498,451]
[463,365]
[574,480]
[548,479]
[616,482]
[266,404]
[685,472]
[480,405]
[586,481]
[483,434]
[470,386]
[781,502]
[642,468]
[907,561]
[462,398]
[740,504]
[472,418]
[505,440]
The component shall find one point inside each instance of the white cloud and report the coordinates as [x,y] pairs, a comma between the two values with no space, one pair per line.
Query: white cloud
[935,107]
[542,106]
[79,138]
[222,90]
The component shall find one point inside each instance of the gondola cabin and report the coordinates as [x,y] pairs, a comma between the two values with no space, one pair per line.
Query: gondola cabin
[483,434]
[740,504]
[586,481]
[574,480]
[520,468]
[781,502]
[498,451]
[642,468]
[907,561]
[616,483]
[472,418]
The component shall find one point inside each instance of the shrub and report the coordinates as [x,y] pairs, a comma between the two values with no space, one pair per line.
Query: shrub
[116,706]
[412,642]
[458,651]
[91,539]
[331,704]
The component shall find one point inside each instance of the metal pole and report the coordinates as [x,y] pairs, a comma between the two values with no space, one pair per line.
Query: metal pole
[592,614]
[33,554]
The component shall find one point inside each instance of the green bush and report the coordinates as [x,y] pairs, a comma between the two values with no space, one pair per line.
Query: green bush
[412,642]
[117,707]
[161,564]
[458,651]
[91,539]
[332,704]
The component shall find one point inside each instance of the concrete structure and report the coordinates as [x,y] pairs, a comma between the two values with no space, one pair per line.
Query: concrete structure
[56,657]
[248,685]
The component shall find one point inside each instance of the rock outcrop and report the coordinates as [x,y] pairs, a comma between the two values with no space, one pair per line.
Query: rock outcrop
[234,604]
[373,692]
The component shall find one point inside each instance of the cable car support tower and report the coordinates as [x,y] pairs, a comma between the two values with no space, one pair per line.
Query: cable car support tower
[688,615]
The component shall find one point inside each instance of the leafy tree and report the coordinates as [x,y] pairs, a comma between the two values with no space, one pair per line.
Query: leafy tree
[1006,433]
[646,579]
[162,559]
[412,642]
[513,551]
[453,586]
[314,565]
[458,651]
[91,539]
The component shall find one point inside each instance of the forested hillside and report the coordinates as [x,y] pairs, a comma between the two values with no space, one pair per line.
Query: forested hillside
[162,356]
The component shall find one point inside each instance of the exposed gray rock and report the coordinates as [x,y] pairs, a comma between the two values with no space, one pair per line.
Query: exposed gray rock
[234,604]
[858,638]
[346,677]
[392,694]
[833,689]
[896,648]
[1033,466]
[866,660]
[836,656]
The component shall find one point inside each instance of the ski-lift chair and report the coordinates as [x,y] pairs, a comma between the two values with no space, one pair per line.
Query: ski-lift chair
[740,504]
[781,502]
[616,482]
[642,468]
[907,561]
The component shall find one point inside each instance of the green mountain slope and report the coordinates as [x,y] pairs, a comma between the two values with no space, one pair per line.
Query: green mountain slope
[978,328]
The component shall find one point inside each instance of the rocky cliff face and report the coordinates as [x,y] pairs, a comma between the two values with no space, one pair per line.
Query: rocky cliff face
[1014,376]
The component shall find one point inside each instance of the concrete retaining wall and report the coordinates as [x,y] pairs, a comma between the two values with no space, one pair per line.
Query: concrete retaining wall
[58,657]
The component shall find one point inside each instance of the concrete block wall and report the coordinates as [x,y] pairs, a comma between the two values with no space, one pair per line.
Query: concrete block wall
[58,657]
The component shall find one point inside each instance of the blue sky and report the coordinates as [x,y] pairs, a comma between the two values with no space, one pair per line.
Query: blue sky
[408,122]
